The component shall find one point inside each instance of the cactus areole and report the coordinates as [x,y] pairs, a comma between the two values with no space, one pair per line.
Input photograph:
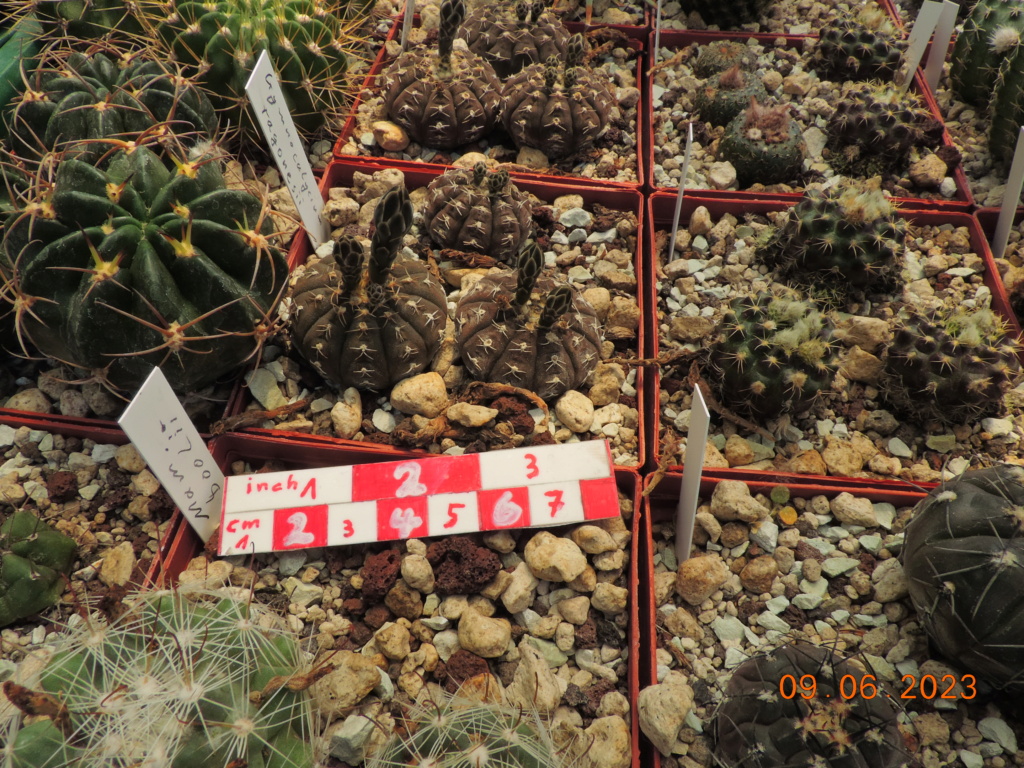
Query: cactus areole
[964,562]
[138,266]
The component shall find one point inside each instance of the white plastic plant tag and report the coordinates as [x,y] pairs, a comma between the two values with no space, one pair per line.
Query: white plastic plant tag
[679,196]
[165,437]
[693,468]
[1011,196]
[435,496]
[927,19]
[940,43]
[267,100]
[657,34]
[410,9]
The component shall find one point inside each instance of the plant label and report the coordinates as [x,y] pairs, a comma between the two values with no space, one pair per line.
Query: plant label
[679,195]
[413,498]
[410,9]
[1011,195]
[267,101]
[940,43]
[693,468]
[927,19]
[164,435]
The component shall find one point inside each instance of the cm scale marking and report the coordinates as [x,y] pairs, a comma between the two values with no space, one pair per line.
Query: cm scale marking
[435,496]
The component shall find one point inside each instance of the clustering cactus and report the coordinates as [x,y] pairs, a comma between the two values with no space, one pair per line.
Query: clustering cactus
[766,719]
[953,367]
[369,326]
[728,93]
[991,33]
[74,103]
[862,47]
[527,329]
[963,557]
[443,101]
[843,240]
[558,109]
[456,730]
[119,270]
[34,563]
[764,144]
[174,681]
[721,55]
[478,212]
[875,126]
[513,37]
[727,14]
[773,355]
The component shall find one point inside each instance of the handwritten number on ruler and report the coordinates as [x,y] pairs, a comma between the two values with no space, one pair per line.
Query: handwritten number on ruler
[347,529]
[531,466]
[506,511]
[405,521]
[409,474]
[556,502]
[453,518]
[298,536]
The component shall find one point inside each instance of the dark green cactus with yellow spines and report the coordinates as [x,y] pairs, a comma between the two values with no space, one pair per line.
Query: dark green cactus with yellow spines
[864,47]
[963,557]
[773,355]
[139,265]
[307,41]
[764,145]
[527,329]
[478,212]
[952,367]
[727,94]
[991,33]
[75,103]
[35,561]
[730,14]
[843,240]
[513,36]
[445,100]
[759,725]
[369,326]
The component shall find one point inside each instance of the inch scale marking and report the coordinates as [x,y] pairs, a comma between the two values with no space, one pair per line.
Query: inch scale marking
[435,496]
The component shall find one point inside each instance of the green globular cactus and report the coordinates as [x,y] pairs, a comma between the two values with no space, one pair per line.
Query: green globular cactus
[528,330]
[72,99]
[445,100]
[456,730]
[874,128]
[558,108]
[768,720]
[963,557]
[727,14]
[138,265]
[511,37]
[71,20]
[478,212]
[864,47]
[34,563]
[175,680]
[773,355]
[307,41]
[843,240]
[764,145]
[369,326]
[1006,109]
[722,55]
[992,31]
[952,367]
[726,94]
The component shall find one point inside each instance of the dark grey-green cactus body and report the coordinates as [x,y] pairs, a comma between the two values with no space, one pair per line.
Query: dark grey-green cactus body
[369,323]
[764,145]
[730,14]
[513,36]
[478,212]
[728,93]
[865,47]
[528,330]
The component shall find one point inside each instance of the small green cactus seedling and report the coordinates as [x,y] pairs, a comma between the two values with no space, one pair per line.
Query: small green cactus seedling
[369,326]
[774,354]
[176,681]
[964,563]
[727,94]
[764,144]
[34,563]
[864,47]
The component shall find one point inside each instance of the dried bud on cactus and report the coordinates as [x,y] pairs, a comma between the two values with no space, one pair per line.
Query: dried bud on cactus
[727,94]
[369,328]
[477,212]
[443,101]
[510,39]
[528,330]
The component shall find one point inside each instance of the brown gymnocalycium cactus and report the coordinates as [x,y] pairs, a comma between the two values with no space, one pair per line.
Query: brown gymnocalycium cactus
[369,327]
[445,100]
[478,212]
[528,330]
[510,42]
[558,108]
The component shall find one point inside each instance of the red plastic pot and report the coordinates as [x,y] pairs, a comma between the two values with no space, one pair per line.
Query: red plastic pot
[292,455]
[659,506]
[659,212]
[987,219]
[963,201]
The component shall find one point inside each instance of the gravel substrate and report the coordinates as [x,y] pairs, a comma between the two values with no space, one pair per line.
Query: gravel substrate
[850,431]
[783,17]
